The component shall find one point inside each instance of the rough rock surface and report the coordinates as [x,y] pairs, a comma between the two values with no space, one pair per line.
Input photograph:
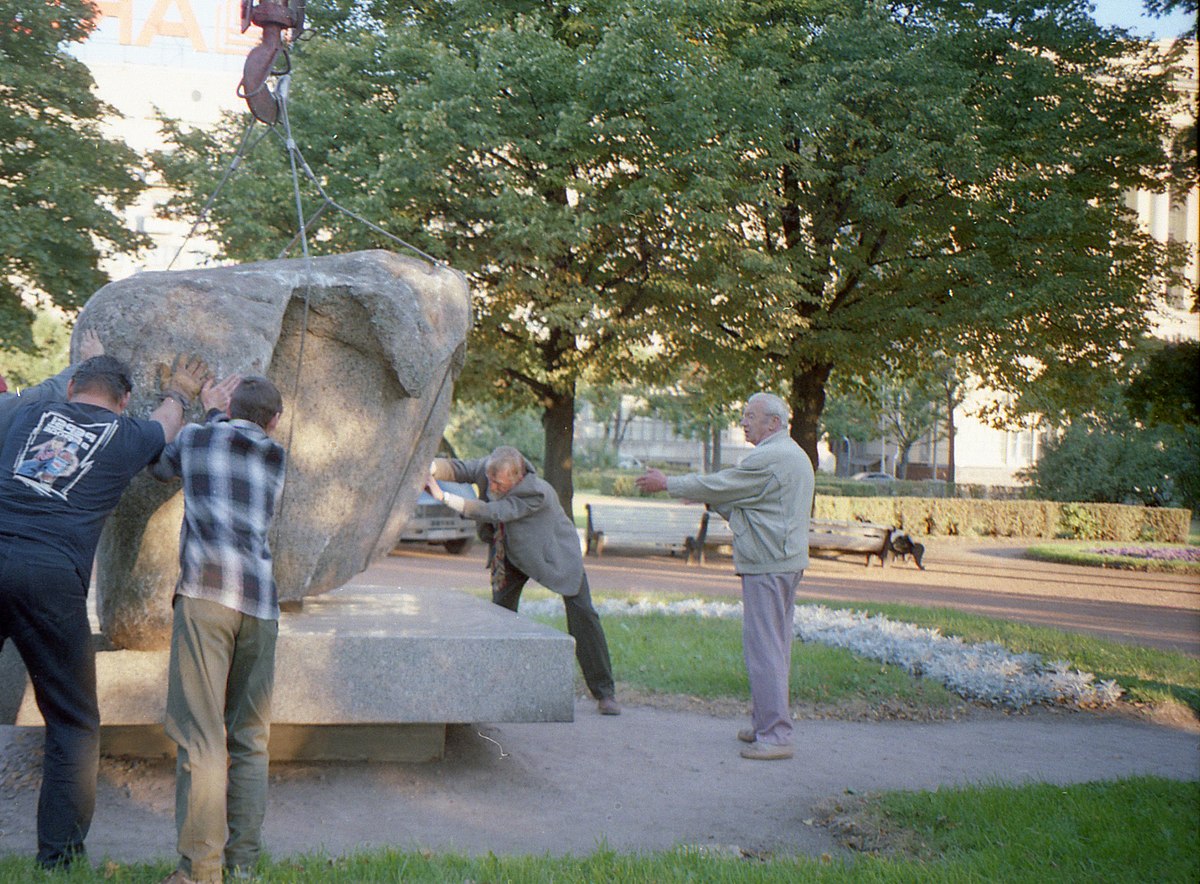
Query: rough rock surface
[364,348]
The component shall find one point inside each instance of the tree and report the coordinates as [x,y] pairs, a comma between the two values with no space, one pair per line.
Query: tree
[937,177]
[49,355]
[1165,388]
[552,151]
[888,405]
[611,410]
[63,184]
[697,408]
[476,429]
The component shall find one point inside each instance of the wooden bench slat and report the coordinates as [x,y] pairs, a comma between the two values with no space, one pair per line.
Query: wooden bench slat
[655,525]
[689,528]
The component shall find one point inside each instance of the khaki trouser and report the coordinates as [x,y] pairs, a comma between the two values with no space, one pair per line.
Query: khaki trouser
[219,685]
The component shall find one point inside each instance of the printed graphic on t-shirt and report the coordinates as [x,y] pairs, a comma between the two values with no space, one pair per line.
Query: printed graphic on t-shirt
[59,452]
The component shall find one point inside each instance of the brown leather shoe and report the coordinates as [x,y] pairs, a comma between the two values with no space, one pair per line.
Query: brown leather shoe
[608,706]
[746,735]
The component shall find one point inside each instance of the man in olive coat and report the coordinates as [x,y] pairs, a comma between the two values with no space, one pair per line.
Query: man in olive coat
[532,537]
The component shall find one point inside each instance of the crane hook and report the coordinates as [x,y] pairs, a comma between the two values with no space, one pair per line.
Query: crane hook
[274,17]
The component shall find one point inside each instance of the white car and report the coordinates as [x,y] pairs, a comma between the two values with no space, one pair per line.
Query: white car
[436,523]
[873,477]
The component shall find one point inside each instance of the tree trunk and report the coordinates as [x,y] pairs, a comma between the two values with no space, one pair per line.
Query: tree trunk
[808,401]
[716,446]
[950,437]
[558,421]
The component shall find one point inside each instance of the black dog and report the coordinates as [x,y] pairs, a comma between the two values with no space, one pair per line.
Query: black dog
[903,546]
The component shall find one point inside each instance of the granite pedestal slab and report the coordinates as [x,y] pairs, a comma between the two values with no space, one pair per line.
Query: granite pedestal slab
[372,673]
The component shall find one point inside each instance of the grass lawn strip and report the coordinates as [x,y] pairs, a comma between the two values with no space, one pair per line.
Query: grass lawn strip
[1136,829]
[1133,829]
[984,672]
[1152,557]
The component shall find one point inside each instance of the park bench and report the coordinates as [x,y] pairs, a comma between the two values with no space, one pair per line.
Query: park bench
[824,535]
[642,525]
[863,538]
[714,532]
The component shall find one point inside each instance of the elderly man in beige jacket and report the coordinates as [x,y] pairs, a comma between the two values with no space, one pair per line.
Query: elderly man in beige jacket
[767,500]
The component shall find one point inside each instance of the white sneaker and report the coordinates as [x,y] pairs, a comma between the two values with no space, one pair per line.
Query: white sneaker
[759,751]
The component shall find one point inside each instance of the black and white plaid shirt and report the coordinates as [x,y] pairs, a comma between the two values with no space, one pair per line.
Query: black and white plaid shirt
[232,475]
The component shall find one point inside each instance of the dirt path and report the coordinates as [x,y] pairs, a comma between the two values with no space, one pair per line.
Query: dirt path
[648,780]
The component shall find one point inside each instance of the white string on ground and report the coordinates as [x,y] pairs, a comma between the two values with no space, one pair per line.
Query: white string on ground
[985,672]
[503,754]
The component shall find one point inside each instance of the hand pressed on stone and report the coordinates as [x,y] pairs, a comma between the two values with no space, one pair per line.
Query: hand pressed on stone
[89,345]
[186,376]
[217,394]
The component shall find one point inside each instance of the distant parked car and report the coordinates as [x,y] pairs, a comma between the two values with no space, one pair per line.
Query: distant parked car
[436,523]
[626,462]
[873,477]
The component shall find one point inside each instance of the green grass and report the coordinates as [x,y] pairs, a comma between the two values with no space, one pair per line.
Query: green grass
[703,658]
[1079,552]
[1138,829]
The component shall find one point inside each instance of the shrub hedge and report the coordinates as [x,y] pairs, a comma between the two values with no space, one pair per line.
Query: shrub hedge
[1040,519]
[966,517]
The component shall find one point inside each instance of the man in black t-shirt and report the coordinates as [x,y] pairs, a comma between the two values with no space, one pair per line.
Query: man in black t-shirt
[63,468]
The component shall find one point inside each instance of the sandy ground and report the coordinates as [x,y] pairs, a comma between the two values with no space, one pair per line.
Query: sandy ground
[669,773]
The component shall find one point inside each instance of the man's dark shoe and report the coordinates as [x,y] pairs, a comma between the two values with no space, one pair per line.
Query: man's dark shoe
[608,706]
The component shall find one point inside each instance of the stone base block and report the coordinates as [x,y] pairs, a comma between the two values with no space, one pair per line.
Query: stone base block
[375,673]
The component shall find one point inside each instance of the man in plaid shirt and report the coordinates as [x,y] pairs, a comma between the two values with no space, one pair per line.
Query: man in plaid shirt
[222,667]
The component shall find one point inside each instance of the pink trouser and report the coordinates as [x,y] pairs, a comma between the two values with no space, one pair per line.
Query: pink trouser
[768,608]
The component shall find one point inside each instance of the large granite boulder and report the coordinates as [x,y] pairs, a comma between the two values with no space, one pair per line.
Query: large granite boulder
[364,348]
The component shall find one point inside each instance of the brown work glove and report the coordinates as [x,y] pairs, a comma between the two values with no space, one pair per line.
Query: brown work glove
[185,376]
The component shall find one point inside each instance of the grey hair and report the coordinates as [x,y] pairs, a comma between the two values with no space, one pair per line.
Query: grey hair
[505,459]
[773,405]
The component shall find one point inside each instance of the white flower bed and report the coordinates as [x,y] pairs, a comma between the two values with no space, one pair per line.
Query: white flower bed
[984,672]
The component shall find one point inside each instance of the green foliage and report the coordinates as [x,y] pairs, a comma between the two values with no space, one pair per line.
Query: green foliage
[51,345]
[778,190]
[475,429]
[1078,522]
[63,183]
[1135,829]
[1119,462]
[1165,389]
[698,406]
[1077,553]
[932,178]
[558,154]
[952,517]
